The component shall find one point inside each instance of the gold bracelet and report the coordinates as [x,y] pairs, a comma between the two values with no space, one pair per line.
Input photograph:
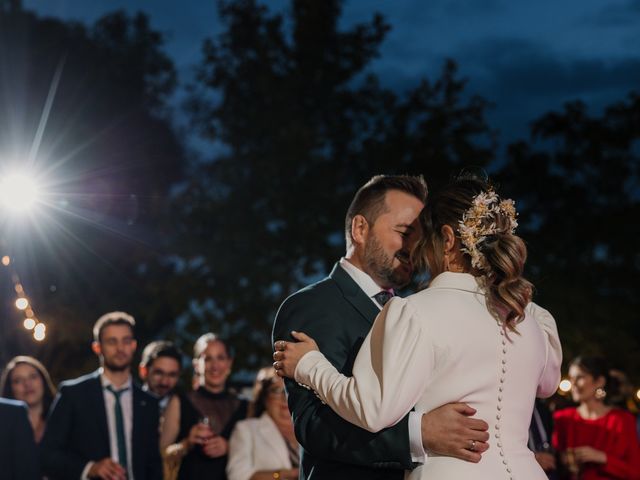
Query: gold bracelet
[276,475]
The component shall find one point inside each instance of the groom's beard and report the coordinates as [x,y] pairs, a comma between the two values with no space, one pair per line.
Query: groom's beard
[380,264]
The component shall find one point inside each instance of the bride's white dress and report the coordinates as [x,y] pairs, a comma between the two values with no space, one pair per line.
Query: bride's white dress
[442,345]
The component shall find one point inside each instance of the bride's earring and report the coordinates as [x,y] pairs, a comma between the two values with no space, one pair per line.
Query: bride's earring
[446,263]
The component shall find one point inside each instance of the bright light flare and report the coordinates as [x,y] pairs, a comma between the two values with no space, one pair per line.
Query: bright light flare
[39,332]
[638,394]
[6,260]
[29,323]
[18,192]
[565,386]
[22,303]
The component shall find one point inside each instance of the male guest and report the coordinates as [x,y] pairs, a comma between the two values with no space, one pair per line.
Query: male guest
[381,227]
[102,425]
[18,452]
[540,432]
[159,369]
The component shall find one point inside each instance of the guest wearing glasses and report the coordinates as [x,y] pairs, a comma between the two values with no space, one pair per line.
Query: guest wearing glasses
[160,369]
[264,447]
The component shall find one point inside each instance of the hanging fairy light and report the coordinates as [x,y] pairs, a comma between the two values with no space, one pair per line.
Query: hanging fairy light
[565,386]
[39,332]
[29,323]
[22,303]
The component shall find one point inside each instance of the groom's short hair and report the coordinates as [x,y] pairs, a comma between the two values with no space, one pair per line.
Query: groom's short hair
[369,199]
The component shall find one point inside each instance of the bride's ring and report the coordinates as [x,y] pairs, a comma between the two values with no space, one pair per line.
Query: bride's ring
[281,345]
[472,447]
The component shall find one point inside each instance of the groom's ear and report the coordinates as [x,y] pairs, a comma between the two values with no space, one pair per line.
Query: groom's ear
[359,229]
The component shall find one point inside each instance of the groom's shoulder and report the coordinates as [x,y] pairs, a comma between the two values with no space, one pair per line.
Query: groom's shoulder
[316,292]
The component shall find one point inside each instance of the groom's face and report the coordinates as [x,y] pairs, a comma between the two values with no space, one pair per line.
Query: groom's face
[390,240]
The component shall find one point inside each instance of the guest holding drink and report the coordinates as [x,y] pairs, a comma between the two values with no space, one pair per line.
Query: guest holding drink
[197,426]
[595,441]
[26,379]
[264,446]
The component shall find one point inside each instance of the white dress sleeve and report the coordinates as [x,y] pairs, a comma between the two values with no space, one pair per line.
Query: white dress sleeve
[550,376]
[389,373]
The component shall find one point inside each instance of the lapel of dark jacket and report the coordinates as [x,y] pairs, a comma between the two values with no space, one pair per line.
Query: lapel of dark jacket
[100,413]
[354,294]
[137,432]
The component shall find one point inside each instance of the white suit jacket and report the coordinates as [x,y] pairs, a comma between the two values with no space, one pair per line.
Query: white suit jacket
[256,444]
[442,345]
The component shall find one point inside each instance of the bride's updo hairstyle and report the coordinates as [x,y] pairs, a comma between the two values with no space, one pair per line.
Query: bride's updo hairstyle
[484,226]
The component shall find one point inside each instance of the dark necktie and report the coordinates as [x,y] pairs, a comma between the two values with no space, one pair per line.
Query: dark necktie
[383,297]
[120,437]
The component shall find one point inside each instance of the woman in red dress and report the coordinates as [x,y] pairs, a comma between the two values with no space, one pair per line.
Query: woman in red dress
[594,440]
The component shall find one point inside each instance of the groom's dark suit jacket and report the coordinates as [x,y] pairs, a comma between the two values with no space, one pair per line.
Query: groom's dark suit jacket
[338,315]
[18,452]
[77,431]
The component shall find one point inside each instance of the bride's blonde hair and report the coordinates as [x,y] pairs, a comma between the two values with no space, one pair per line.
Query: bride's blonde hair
[497,258]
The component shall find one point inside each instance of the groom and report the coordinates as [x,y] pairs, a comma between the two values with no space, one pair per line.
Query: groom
[381,227]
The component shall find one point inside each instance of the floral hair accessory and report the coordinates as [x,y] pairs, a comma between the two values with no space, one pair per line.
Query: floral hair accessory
[480,221]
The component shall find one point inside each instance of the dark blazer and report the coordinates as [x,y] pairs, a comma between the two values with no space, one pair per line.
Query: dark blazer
[18,451]
[77,431]
[338,315]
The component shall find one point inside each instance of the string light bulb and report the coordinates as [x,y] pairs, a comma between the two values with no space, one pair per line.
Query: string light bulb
[6,260]
[29,323]
[565,386]
[39,332]
[22,303]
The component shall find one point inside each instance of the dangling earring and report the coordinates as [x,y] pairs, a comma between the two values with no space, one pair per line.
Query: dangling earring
[600,393]
[446,263]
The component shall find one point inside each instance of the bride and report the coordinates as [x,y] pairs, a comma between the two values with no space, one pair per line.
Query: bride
[472,336]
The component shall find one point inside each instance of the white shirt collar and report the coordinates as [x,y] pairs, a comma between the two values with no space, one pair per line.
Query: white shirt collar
[106,382]
[363,280]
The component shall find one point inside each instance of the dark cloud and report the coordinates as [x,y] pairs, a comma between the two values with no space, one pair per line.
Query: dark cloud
[526,80]
[622,14]
[531,69]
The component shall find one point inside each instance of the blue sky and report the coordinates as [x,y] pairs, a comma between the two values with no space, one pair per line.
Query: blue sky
[525,57]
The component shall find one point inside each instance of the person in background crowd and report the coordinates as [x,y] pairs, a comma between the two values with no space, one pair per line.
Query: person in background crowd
[540,432]
[102,425]
[595,441]
[26,379]
[265,447]
[18,451]
[160,369]
[197,425]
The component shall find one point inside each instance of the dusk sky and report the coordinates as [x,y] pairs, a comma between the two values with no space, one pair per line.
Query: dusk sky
[525,57]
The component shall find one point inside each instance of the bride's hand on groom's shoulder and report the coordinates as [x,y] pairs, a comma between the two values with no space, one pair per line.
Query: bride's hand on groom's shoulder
[288,354]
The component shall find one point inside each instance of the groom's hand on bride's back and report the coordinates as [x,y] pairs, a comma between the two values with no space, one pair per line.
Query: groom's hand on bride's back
[449,430]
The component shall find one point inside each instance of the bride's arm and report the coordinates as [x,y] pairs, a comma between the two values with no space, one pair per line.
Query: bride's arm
[550,377]
[389,373]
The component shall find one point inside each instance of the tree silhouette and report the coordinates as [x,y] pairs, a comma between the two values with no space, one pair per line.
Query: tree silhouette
[578,187]
[300,123]
[85,110]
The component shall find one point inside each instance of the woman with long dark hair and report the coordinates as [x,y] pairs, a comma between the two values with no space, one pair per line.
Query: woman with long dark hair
[472,336]
[26,379]
[595,440]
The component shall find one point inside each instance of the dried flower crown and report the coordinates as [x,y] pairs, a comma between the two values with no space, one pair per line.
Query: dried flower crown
[474,227]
